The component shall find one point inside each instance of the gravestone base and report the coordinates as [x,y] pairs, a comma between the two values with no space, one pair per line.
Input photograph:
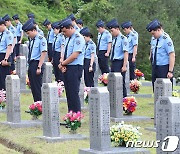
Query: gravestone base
[2,110]
[84,108]
[152,129]
[23,124]
[25,91]
[130,118]
[115,150]
[147,84]
[63,138]
[141,95]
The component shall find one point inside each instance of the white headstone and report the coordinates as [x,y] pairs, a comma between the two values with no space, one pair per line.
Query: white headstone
[13,98]
[47,74]
[96,73]
[168,124]
[23,50]
[21,71]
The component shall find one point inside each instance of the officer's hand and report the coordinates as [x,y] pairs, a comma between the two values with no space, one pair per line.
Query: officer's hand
[38,71]
[15,59]
[124,69]
[169,75]
[63,69]
[106,54]
[4,63]
[19,42]
[133,59]
[60,66]
[90,69]
[61,60]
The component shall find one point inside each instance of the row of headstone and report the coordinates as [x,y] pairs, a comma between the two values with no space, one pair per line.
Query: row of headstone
[127,79]
[115,89]
[13,104]
[99,118]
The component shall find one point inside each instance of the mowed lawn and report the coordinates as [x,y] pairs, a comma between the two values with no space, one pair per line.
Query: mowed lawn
[24,138]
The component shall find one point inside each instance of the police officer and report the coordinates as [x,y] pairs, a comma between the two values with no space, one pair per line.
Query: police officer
[31,15]
[90,55]
[50,38]
[133,45]
[38,29]
[6,42]
[19,33]
[36,56]
[79,23]
[119,52]
[58,49]
[72,17]
[104,42]
[12,29]
[72,65]
[163,54]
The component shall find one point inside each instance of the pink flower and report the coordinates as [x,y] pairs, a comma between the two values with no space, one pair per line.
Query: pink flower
[32,107]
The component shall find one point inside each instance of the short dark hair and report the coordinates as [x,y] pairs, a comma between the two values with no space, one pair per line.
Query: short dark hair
[89,35]
[159,27]
[69,26]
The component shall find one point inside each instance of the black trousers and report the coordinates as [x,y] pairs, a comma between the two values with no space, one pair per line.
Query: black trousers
[57,72]
[17,46]
[116,67]
[160,71]
[72,78]
[35,80]
[50,51]
[132,67]
[103,61]
[89,76]
[4,71]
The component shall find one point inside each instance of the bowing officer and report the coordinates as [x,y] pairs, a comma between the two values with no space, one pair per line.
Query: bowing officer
[133,45]
[90,55]
[58,49]
[50,38]
[19,33]
[103,46]
[79,23]
[72,17]
[119,52]
[36,56]
[72,64]
[6,42]
[12,29]
[162,51]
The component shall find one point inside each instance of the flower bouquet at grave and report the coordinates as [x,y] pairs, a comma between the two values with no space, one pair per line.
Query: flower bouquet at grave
[73,120]
[104,79]
[135,86]
[28,82]
[138,73]
[86,93]
[175,93]
[60,88]
[35,109]
[129,105]
[122,133]
[2,99]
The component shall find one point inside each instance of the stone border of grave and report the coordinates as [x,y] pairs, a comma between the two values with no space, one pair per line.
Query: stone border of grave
[3,111]
[51,119]
[131,118]
[13,105]
[146,83]
[141,95]
[99,118]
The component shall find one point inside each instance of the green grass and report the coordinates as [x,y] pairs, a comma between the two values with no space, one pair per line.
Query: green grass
[5,150]
[25,137]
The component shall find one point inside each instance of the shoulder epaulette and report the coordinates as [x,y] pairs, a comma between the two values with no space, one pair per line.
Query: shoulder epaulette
[122,37]
[7,32]
[40,37]
[91,42]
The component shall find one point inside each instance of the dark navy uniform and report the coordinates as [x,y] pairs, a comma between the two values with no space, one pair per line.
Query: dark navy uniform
[37,45]
[50,38]
[6,39]
[133,41]
[58,45]
[12,29]
[73,74]
[120,45]
[90,49]
[103,40]
[19,34]
[161,47]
